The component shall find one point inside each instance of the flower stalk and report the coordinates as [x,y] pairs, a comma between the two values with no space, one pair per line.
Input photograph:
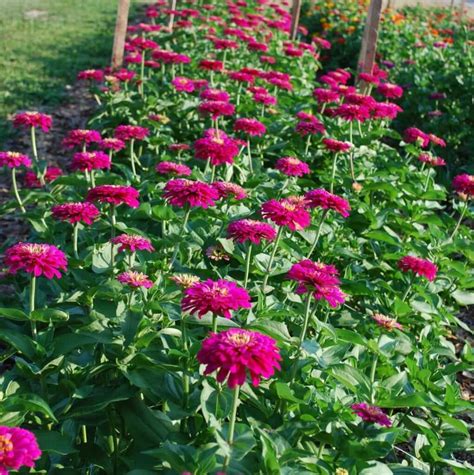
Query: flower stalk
[15,191]
[233,418]
[272,257]
[34,332]
[318,233]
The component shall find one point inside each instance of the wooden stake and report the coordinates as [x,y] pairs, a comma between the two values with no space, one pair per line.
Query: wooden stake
[369,40]
[295,18]
[462,9]
[172,5]
[120,33]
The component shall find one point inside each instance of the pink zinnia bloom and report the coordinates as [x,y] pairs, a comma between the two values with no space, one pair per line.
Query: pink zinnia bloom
[89,161]
[385,110]
[171,168]
[293,52]
[182,84]
[325,95]
[352,112]
[112,144]
[14,160]
[32,181]
[280,83]
[18,448]
[217,253]
[178,147]
[251,127]
[414,135]
[430,160]
[371,414]
[216,146]
[321,42]
[210,94]
[250,230]
[76,212]
[79,137]
[288,212]
[319,279]
[360,100]
[223,43]
[419,266]
[386,322]
[464,184]
[211,65]
[390,91]
[216,108]
[226,189]
[91,74]
[36,259]
[265,99]
[131,132]
[292,166]
[115,195]
[132,243]
[233,353]
[256,46]
[267,59]
[309,125]
[320,198]
[240,76]
[135,279]
[336,145]
[182,192]
[437,140]
[217,297]
[33,119]
[369,78]
[124,75]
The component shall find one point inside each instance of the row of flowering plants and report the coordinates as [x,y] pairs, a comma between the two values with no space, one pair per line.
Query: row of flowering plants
[235,272]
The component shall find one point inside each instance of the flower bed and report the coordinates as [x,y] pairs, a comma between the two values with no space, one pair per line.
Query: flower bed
[236,273]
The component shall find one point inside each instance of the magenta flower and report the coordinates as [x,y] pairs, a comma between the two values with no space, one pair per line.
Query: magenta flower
[385,110]
[242,77]
[216,108]
[290,212]
[182,192]
[437,140]
[390,91]
[91,75]
[336,145]
[265,99]
[386,322]
[115,195]
[319,279]
[14,160]
[88,161]
[170,57]
[210,94]
[309,124]
[320,198]
[369,78]
[292,166]
[112,144]
[135,279]
[464,184]
[431,160]
[171,168]
[325,96]
[223,43]
[178,147]
[32,181]
[36,259]
[211,65]
[80,137]
[351,112]
[132,243]
[18,448]
[131,132]
[419,266]
[217,297]
[234,353]
[371,414]
[84,213]
[250,230]
[182,84]
[414,135]
[257,46]
[226,189]
[216,146]
[33,119]
[252,127]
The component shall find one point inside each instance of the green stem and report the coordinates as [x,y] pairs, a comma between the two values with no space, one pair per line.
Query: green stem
[308,143]
[132,158]
[183,230]
[318,234]
[333,174]
[272,257]
[15,191]
[33,144]
[184,337]
[463,212]
[131,260]
[214,323]
[372,379]
[75,233]
[233,417]
[92,179]
[112,235]
[425,187]
[407,291]
[213,173]
[351,157]
[247,265]
[142,74]
[84,434]
[249,155]
[34,333]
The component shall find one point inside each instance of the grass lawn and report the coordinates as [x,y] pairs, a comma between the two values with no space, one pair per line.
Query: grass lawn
[44,43]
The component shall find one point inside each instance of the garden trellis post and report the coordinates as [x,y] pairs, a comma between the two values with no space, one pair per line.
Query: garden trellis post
[295,18]
[120,33]
[172,4]
[369,39]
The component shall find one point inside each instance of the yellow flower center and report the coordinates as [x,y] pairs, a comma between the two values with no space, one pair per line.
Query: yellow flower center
[35,248]
[239,339]
[6,446]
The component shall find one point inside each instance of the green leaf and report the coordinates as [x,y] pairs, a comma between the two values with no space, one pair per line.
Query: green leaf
[463,298]
[20,342]
[401,470]
[376,468]
[269,454]
[285,392]
[13,314]
[55,442]
[49,315]
[29,402]
[411,400]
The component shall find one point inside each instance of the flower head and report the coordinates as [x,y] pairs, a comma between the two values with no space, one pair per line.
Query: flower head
[184,280]
[14,160]
[319,279]
[252,127]
[217,297]
[171,168]
[132,243]
[226,189]
[414,135]
[18,448]
[385,110]
[352,112]
[216,146]
[210,94]
[431,160]
[464,184]
[437,140]
[234,353]
[131,132]
[390,91]
[88,161]
[325,96]
[290,212]
[419,266]
[216,108]
[182,84]
[371,414]
[32,181]
[76,212]
[112,144]
[336,145]
[182,192]
[309,125]
[114,194]
[292,166]
[386,322]
[320,198]
[250,230]
[211,65]
[217,253]
[33,119]
[135,279]
[36,259]
[79,137]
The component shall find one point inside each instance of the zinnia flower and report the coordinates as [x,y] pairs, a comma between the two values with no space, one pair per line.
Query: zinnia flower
[390,91]
[437,140]
[210,94]
[171,168]
[234,353]
[217,297]
[414,135]
[14,160]
[182,192]
[430,160]
[216,108]
[288,212]
[251,127]
[292,166]
[91,74]
[386,322]
[18,448]
[336,145]
[419,266]
[76,212]
[112,144]
[217,253]
[89,161]
[309,125]
[250,230]
[319,279]
[226,189]
[211,65]
[135,279]
[385,110]
[36,259]
[371,414]
[184,280]
[33,119]
[79,137]
[132,243]
[216,146]
[352,112]
[182,84]
[114,194]
[320,198]
[32,181]
[464,184]
[131,132]
[325,96]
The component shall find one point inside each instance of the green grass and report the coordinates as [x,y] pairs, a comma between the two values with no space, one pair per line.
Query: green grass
[42,53]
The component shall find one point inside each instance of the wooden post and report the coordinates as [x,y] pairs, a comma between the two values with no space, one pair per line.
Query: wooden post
[172,5]
[295,18]
[369,40]
[120,33]
[462,8]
